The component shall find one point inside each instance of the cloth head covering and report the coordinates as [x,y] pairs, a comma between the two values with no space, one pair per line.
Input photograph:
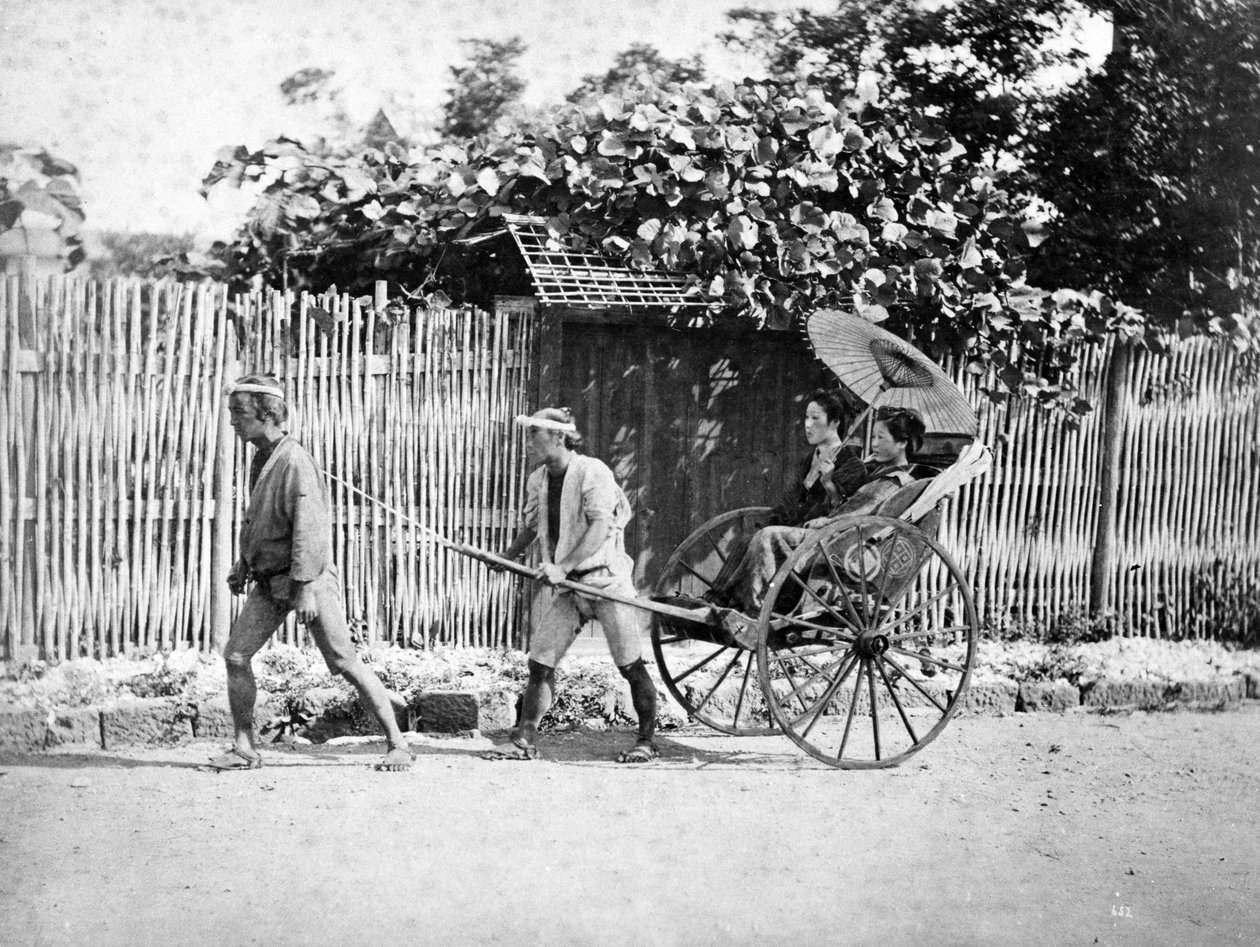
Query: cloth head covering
[550,419]
[276,390]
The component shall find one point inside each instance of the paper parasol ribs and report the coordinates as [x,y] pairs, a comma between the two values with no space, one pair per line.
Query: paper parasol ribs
[885,372]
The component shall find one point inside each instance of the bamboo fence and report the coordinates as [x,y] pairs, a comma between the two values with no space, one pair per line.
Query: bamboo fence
[121,486]
[1186,512]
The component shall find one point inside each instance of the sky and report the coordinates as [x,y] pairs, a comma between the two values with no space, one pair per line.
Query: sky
[141,94]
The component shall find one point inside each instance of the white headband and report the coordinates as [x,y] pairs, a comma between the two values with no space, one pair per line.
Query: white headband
[565,427]
[241,388]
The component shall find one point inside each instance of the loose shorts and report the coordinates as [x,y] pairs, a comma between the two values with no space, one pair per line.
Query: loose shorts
[270,600]
[557,615]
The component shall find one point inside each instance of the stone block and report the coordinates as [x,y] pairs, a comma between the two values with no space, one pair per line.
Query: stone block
[1122,693]
[447,711]
[1252,684]
[213,717]
[1220,690]
[74,726]
[993,697]
[144,720]
[496,710]
[1051,696]
[22,730]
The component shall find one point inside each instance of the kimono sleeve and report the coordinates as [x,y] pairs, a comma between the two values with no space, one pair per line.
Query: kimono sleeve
[602,499]
[311,552]
[849,473]
[869,496]
[529,516]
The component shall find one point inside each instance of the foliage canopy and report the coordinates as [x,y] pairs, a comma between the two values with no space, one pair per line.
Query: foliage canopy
[772,199]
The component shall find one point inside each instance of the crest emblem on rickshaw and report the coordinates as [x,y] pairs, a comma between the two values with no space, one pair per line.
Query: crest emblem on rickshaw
[901,557]
[860,561]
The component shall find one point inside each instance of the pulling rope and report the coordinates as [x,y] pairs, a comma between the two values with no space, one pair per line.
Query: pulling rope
[534,574]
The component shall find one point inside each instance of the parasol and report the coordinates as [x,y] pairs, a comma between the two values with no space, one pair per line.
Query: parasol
[885,372]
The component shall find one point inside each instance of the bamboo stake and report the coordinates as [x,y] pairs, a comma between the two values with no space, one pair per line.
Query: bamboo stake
[8,408]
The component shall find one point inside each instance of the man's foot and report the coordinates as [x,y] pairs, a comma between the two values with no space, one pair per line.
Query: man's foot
[234,758]
[641,752]
[518,749]
[396,760]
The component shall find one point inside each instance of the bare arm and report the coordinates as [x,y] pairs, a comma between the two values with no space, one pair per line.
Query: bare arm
[520,543]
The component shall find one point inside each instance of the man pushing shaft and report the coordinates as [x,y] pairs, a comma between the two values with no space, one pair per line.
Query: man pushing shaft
[286,553]
[576,512]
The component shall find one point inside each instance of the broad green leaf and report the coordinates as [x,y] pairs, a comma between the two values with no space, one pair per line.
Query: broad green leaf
[488,181]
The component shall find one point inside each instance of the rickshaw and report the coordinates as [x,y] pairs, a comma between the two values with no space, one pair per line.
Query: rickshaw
[865,642]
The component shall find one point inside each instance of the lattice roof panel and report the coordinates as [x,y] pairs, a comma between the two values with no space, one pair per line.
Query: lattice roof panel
[567,277]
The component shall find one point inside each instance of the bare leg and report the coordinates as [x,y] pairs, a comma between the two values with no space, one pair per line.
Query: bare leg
[377,699]
[643,694]
[242,692]
[539,692]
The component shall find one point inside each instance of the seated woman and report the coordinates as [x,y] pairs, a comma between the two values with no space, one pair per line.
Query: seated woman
[897,434]
[829,474]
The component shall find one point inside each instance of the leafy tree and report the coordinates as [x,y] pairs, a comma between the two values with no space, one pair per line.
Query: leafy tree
[639,64]
[979,67]
[1147,167]
[1151,165]
[32,179]
[484,89]
[124,253]
[774,200]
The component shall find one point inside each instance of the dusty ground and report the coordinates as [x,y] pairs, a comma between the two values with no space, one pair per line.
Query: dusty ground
[1033,829]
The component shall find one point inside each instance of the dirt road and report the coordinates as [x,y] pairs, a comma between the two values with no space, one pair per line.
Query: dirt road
[1034,829]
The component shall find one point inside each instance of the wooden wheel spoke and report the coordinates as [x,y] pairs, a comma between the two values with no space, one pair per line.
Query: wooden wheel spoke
[854,618]
[914,737]
[870,680]
[675,639]
[861,546]
[819,673]
[848,723]
[716,546]
[926,657]
[917,686]
[718,683]
[830,630]
[781,701]
[695,667]
[793,653]
[922,607]
[820,706]
[743,690]
[705,579]
[929,633]
[815,596]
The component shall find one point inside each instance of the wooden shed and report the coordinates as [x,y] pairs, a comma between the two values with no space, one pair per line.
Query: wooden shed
[693,420]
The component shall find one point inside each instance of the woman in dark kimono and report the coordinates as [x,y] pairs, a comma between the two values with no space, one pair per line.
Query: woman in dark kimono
[829,474]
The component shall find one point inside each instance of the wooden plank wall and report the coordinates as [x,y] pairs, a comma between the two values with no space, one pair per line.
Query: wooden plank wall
[693,423]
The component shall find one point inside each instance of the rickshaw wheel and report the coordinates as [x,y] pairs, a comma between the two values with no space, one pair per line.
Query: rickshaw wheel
[710,676]
[867,638]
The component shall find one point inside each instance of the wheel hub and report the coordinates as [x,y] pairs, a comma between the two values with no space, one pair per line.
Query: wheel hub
[871,644]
